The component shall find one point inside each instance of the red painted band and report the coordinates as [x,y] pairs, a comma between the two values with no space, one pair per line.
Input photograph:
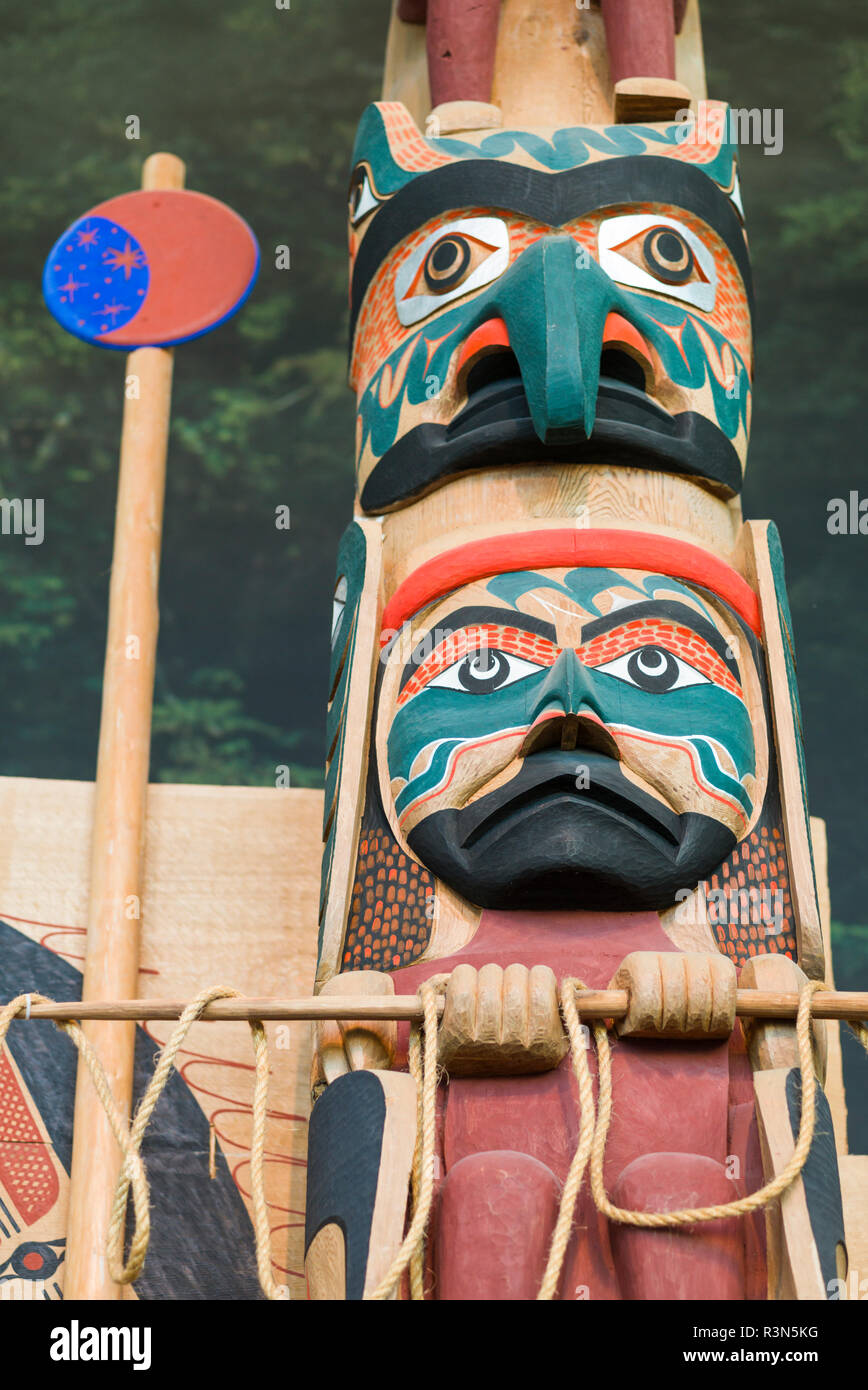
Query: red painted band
[557,549]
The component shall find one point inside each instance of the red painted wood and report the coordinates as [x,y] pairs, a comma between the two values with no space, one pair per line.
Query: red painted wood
[202,258]
[669,1097]
[640,36]
[704,1261]
[492,333]
[617,329]
[26,1171]
[554,549]
[495,1212]
[461,38]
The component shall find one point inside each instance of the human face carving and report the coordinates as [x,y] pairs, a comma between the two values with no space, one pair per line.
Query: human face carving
[578,737]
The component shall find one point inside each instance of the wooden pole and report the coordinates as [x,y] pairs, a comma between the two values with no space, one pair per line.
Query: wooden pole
[113,935]
[592,1003]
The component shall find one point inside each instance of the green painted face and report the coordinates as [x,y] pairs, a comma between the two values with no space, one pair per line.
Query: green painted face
[596,722]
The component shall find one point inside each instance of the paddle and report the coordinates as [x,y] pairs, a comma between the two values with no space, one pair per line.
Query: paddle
[139,272]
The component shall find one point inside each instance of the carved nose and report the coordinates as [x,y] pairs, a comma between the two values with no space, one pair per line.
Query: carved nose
[568,731]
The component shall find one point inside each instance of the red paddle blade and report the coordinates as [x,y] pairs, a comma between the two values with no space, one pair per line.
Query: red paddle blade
[149,269]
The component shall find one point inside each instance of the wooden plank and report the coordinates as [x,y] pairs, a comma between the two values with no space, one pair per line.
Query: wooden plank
[405,75]
[690,55]
[834,1083]
[854,1189]
[754,561]
[231,881]
[793,1263]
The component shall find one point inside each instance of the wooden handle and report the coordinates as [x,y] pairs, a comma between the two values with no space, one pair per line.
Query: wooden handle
[593,1004]
[114,922]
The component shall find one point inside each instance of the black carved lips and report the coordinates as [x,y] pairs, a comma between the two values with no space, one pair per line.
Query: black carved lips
[495,428]
[544,840]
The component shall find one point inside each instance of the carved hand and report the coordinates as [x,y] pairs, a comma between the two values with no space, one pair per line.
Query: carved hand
[501,1022]
[677,994]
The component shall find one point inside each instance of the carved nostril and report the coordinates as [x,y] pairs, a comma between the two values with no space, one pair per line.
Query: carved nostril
[569,731]
[497,366]
[617,365]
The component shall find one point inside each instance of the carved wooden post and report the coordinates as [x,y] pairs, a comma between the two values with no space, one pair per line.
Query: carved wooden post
[563,728]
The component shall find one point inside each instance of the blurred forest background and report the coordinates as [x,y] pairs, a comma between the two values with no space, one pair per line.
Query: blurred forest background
[262,104]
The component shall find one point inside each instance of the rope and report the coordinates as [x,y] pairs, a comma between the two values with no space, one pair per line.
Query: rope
[417,1259]
[127,1273]
[687,1216]
[563,1226]
[410,1252]
[129,1140]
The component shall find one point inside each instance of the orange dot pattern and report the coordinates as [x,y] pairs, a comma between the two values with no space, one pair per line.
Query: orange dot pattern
[26,1170]
[392,906]
[390,924]
[408,147]
[678,640]
[512,640]
[742,922]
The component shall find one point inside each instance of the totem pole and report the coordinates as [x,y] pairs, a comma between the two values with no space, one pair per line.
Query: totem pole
[563,730]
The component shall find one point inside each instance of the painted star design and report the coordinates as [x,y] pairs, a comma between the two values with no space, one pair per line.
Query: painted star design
[113,309]
[127,260]
[88,236]
[70,287]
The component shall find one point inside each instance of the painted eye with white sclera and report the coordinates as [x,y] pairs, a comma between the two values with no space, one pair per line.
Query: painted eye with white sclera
[658,253]
[654,670]
[450,262]
[483,671]
[362,198]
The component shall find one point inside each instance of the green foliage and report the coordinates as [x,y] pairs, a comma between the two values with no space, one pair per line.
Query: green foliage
[850,956]
[261,103]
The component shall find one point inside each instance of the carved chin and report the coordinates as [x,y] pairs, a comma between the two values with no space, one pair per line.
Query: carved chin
[538,842]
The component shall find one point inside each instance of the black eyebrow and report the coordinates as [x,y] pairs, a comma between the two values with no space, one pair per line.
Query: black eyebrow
[472,617]
[666,608]
[552,199]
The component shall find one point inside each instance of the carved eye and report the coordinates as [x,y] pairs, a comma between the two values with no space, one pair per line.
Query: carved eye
[447,263]
[654,670]
[658,253]
[362,198]
[450,262]
[483,671]
[668,255]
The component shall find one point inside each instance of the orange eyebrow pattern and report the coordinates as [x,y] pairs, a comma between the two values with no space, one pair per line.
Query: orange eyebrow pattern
[673,638]
[512,640]
[531,647]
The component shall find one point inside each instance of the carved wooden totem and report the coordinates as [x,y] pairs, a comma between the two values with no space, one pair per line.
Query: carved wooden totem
[563,723]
